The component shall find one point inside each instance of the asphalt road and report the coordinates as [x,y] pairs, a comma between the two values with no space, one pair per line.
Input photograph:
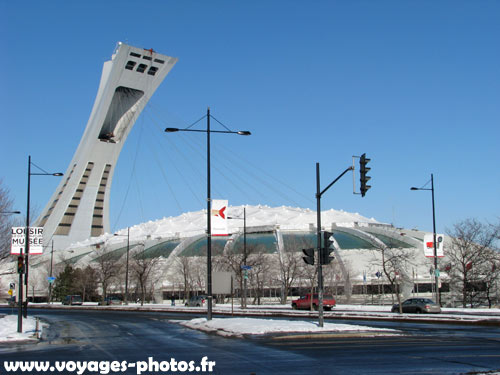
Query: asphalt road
[77,335]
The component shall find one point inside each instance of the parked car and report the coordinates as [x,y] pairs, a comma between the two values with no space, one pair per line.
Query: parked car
[72,300]
[304,302]
[110,301]
[418,306]
[197,301]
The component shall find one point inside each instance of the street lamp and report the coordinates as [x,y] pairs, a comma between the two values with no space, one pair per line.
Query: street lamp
[436,271]
[244,218]
[126,266]
[27,244]
[209,229]
[50,276]
[10,212]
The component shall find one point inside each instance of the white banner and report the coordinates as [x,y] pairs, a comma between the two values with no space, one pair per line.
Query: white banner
[429,245]
[19,239]
[219,217]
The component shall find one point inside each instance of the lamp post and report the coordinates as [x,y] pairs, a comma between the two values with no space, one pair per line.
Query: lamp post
[244,301]
[436,272]
[51,265]
[10,212]
[126,266]
[209,229]
[27,242]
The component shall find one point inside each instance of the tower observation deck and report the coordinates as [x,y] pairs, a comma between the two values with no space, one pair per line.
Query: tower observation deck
[79,207]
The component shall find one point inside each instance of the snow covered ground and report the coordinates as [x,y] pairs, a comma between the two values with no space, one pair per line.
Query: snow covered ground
[257,326]
[8,328]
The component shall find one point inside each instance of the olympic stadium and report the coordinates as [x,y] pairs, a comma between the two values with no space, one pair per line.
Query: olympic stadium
[275,237]
[76,220]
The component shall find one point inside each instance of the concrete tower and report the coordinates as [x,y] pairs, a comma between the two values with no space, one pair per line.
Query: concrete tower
[79,208]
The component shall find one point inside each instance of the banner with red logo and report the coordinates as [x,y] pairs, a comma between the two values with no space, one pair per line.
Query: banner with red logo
[429,245]
[219,217]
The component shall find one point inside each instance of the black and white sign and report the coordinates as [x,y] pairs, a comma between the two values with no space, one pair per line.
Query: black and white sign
[18,243]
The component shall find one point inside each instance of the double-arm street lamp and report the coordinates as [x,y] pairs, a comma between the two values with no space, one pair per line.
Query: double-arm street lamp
[27,244]
[126,266]
[244,218]
[10,212]
[436,270]
[209,229]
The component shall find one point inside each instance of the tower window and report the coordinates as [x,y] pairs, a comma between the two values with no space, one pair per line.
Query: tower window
[130,65]
[141,68]
[152,70]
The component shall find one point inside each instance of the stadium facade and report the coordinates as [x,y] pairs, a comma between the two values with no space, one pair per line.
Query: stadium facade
[275,237]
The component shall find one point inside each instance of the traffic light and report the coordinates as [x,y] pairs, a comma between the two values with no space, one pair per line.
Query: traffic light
[327,248]
[20,264]
[363,170]
[309,256]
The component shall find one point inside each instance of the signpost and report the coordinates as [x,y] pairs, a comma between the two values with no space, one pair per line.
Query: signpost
[19,244]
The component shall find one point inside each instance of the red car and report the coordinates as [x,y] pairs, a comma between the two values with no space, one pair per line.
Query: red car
[304,302]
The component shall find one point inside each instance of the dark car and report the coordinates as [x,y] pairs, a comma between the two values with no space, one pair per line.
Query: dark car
[418,306]
[197,301]
[111,301]
[72,300]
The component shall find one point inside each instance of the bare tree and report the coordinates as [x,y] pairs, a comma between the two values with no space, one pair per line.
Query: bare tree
[142,268]
[199,273]
[289,264]
[107,266]
[260,268]
[491,272]
[472,260]
[7,221]
[183,269]
[233,260]
[393,260]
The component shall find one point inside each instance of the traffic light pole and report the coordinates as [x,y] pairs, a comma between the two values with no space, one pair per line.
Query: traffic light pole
[319,193]
[318,234]
[20,295]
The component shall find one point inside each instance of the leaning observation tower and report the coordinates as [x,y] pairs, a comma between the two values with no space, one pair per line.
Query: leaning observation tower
[79,207]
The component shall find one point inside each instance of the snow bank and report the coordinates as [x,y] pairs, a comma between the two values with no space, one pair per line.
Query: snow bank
[255,326]
[8,328]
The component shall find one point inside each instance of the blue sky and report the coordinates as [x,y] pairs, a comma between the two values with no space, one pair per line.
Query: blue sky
[413,84]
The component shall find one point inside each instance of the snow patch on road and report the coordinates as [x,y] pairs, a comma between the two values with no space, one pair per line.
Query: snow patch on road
[254,326]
